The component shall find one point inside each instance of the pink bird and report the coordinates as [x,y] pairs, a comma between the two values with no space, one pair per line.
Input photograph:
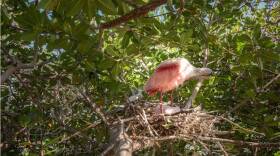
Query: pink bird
[170,74]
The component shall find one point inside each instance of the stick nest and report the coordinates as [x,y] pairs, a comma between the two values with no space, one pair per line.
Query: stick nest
[142,120]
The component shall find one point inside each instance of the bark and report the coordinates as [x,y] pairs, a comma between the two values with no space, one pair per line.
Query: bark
[10,70]
[138,12]
[120,142]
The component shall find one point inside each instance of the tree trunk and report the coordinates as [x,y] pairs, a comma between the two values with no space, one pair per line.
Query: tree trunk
[120,140]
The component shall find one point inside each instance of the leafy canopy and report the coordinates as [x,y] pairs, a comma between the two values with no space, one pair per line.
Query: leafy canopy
[41,105]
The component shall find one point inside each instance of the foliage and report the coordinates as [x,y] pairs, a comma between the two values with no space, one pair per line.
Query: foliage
[42,106]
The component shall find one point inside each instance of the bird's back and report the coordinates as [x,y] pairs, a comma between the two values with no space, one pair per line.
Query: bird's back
[166,77]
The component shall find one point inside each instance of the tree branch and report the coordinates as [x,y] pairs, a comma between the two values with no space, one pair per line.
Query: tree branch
[241,143]
[138,12]
[142,142]
[200,81]
[17,64]
[80,131]
[271,81]
[244,129]
[10,70]
[95,108]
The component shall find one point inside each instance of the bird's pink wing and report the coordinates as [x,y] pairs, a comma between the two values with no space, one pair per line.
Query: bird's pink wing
[164,79]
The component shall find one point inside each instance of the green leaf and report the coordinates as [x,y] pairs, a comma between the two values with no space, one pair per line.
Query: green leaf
[126,39]
[245,58]
[172,37]
[106,64]
[122,7]
[277,153]
[115,71]
[250,93]
[111,50]
[107,6]
[28,36]
[76,78]
[48,4]
[266,42]
[132,49]
[257,31]
[270,56]
[243,38]
[52,140]
[78,5]
[90,8]
[240,46]
[29,19]
[186,36]
[84,46]
[24,120]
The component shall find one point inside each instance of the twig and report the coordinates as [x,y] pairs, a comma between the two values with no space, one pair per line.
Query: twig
[200,81]
[164,138]
[210,139]
[11,69]
[79,132]
[100,40]
[108,149]
[248,130]
[95,108]
[241,143]
[256,151]
[222,148]
[194,93]
[182,4]
[271,81]
[183,110]
[147,123]
[205,146]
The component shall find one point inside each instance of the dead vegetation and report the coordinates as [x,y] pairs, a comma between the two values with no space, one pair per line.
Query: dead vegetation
[144,128]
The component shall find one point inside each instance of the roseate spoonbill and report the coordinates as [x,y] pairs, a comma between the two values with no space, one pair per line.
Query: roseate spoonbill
[170,74]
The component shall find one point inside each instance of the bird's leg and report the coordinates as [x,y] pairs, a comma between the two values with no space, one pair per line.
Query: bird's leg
[171,98]
[161,108]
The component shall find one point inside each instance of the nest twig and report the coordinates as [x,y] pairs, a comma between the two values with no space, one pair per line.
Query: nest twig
[147,128]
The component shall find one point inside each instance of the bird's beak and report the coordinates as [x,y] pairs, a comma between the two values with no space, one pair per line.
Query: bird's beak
[206,72]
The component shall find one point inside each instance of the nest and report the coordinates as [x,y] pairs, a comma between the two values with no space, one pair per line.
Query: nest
[143,126]
[143,121]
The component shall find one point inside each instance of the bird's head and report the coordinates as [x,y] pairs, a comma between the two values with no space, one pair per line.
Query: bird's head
[204,71]
[200,73]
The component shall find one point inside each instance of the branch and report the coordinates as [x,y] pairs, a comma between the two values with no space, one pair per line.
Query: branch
[17,64]
[241,143]
[107,150]
[138,12]
[10,70]
[95,108]
[142,142]
[120,142]
[79,132]
[244,129]
[100,40]
[222,148]
[146,122]
[200,81]
[271,81]
[182,4]
[183,110]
